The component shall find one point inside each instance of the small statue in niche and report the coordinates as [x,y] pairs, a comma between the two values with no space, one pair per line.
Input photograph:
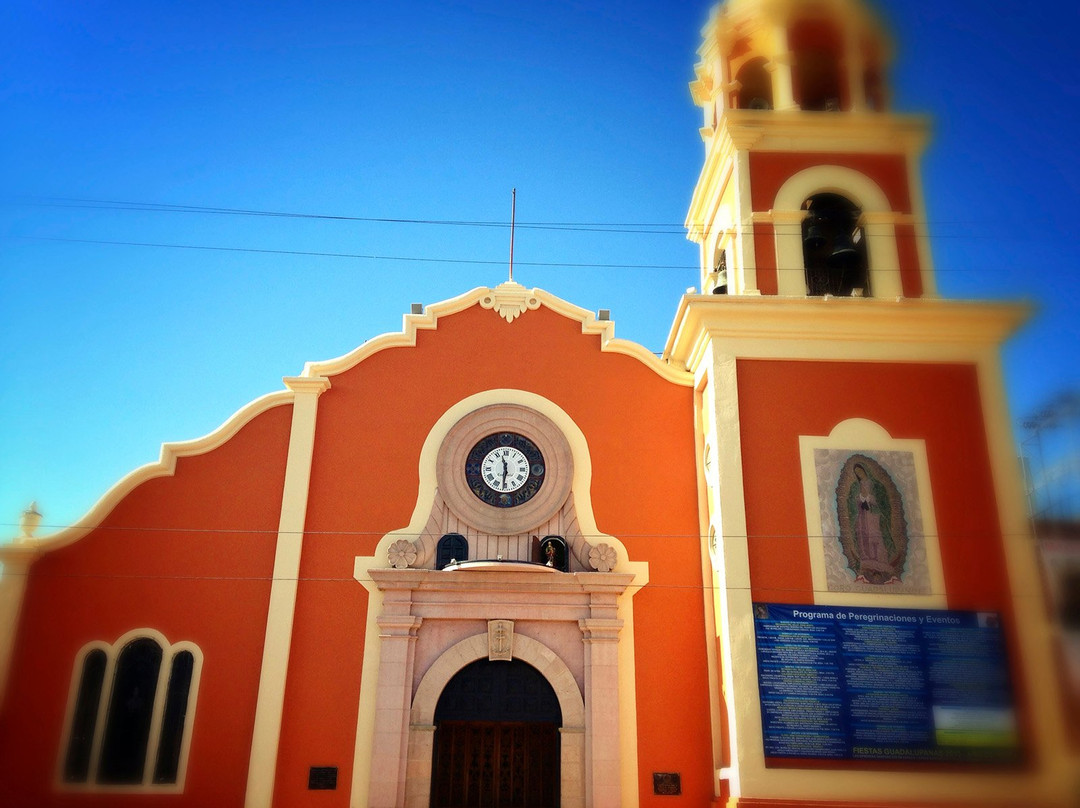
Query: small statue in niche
[553,553]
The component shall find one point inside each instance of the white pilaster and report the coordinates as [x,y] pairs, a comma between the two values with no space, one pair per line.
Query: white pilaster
[279,619]
[602,770]
[737,647]
[397,636]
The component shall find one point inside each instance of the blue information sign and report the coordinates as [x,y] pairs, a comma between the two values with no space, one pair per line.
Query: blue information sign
[884,684]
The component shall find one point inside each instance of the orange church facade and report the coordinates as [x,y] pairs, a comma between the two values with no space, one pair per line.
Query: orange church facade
[504,558]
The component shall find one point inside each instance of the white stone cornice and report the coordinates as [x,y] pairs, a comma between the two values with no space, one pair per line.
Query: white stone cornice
[307,384]
[598,629]
[831,132]
[165,466]
[849,328]
[503,298]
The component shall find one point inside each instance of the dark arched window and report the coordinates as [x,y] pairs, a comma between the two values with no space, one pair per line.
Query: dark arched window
[172,722]
[834,247]
[84,717]
[718,280]
[498,691]
[131,709]
[755,91]
[1070,601]
[451,547]
[128,701]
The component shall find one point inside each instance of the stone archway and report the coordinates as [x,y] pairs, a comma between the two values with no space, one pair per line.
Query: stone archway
[877,214]
[535,653]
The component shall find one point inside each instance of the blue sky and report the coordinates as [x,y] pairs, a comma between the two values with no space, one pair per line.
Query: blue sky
[428,111]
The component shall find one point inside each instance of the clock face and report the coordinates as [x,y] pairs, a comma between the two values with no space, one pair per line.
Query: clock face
[505,469]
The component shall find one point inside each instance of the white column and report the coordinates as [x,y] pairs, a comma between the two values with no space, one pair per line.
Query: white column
[737,646]
[742,278]
[266,735]
[571,763]
[780,67]
[882,254]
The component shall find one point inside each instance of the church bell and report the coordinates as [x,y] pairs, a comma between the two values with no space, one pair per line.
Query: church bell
[844,255]
[815,237]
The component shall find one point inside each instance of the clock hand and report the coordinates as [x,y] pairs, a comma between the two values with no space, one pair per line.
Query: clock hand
[505,471]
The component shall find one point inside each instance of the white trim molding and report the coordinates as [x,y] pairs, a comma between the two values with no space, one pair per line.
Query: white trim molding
[266,734]
[510,301]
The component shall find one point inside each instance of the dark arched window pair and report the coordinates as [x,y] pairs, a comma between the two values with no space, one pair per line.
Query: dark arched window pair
[834,247]
[122,751]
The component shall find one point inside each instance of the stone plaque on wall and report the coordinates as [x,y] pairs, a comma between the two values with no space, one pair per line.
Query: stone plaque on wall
[667,784]
[500,640]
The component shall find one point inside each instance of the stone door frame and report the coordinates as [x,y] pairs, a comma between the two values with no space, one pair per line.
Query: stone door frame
[552,668]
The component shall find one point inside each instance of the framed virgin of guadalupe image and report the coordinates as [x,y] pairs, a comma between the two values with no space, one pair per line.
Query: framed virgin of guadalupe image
[870,518]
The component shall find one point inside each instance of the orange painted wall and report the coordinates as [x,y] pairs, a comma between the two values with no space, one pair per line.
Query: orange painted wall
[770,170]
[765,258]
[372,425]
[938,403]
[190,555]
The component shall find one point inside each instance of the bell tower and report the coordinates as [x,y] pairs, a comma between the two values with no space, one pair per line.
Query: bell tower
[810,185]
[818,338]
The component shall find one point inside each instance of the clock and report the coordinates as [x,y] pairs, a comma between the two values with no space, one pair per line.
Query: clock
[469,470]
[505,469]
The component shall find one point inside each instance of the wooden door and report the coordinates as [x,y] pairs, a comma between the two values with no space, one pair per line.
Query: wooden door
[496,764]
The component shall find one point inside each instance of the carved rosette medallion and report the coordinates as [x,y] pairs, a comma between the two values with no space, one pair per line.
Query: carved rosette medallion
[402,554]
[602,557]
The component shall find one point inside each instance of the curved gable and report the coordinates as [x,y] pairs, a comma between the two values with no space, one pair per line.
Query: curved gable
[510,301]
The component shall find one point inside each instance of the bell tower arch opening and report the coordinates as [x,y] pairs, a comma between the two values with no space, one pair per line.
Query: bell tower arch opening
[755,85]
[818,52]
[834,247]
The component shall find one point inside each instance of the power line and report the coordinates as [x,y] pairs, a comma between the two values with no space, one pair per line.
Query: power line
[362,256]
[157,207]
[270,578]
[657,228]
[373,257]
[952,534]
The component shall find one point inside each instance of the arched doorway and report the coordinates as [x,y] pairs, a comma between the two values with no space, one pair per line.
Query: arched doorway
[496,739]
